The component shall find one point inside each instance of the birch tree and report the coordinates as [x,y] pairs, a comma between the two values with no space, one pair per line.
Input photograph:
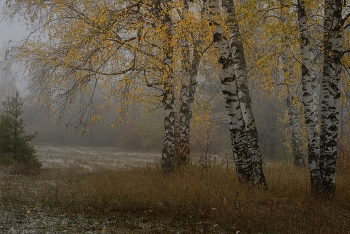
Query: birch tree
[122,49]
[272,59]
[239,66]
[293,110]
[323,150]
[185,42]
[191,57]
[243,163]
[168,151]
[236,95]
[290,80]
[333,27]
[308,99]
[187,96]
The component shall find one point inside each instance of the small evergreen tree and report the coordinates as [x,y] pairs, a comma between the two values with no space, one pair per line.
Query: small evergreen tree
[14,144]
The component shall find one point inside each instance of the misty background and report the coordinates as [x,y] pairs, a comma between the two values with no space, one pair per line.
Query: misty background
[144,130]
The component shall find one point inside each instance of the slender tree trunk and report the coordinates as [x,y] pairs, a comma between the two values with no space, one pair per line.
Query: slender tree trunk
[243,162]
[190,65]
[239,65]
[187,93]
[183,147]
[295,128]
[309,100]
[325,121]
[316,78]
[169,126]
[168,151]
[331,94]
[293,112]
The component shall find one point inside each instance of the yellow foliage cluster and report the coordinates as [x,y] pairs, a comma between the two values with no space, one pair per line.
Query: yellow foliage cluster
[114,47]
[118,48]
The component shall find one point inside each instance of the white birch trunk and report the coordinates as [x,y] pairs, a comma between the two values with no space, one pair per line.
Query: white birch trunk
[295,127]
[183,149]
[293,113]
[168,151]
[190,70]
[190,66]
[309,100]
[242,160]
[169,127]
[316,77]
[239,65]
[331,94]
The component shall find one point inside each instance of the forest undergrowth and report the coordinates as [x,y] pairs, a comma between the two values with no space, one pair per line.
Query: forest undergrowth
[190,198]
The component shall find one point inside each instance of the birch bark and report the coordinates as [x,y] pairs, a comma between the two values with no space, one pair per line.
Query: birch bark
[331,94]
[242,160]
[309,99]
[187,98]
[190,65]
[168,101]
[293,113]
[239,66]
[316,78]
[169,126]
[295,127]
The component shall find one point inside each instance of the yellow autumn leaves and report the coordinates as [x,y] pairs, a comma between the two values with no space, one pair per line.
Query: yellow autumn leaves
[117,48]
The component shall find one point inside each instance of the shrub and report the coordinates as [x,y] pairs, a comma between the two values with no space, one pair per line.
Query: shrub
[14,143]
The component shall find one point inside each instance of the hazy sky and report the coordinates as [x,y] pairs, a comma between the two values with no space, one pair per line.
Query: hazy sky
[12,31]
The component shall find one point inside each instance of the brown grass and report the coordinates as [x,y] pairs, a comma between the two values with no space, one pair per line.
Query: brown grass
[286,207]
[191,195]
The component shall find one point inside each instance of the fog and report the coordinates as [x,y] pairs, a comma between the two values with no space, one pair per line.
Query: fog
[12,32]
[144,132]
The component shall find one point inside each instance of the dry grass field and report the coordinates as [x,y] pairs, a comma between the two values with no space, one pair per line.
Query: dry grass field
[101,190]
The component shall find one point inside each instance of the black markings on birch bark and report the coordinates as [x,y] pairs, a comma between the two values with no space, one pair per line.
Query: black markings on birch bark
[245,147]
[239,65]
[309,100]
[168,101]
[331,94]
[292,104]
[190,65]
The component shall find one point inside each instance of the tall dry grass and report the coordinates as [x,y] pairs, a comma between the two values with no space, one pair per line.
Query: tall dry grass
[214,194]
[191,195]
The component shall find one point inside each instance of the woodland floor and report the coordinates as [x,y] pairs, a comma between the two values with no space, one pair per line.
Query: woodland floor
[102,190]
[20,214]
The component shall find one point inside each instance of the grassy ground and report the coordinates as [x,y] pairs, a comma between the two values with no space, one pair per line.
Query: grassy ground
[192,200]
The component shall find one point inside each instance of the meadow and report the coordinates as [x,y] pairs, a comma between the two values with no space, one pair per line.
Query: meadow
[101,190]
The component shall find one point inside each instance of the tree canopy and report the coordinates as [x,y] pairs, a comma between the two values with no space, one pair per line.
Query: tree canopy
[152,51]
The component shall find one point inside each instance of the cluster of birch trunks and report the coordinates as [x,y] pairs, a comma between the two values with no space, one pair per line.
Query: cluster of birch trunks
[321,128]
[120,46]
